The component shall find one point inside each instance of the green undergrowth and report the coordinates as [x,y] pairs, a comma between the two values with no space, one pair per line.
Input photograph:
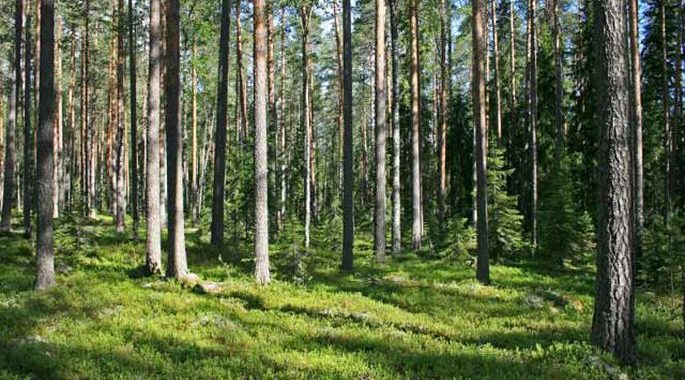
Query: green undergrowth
[410,318]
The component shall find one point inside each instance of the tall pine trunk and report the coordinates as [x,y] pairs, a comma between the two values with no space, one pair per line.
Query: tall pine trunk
[218,194]
[45,271]
[381,127]
[480,126]
[396,143]
[177,266]
[612,323]
[339,56]
[119,153]
[10,148]
[532,117]
[498,87]
[442,133]
[636,98]
[665,102]
[153,258]
[417,219]
[262,274]
[305,15]
[348,170]
[134,115]
[28,176]
[558,79]
[241,83]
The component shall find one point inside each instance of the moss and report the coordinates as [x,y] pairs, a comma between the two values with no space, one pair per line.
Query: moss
[411,318]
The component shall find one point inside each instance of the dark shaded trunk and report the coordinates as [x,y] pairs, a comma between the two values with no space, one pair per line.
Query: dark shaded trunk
[45,268]
[153,258]
[28,175]
[262,274]
[10,147]
[177,266]
[218,194]
[348,170]
[612,323]
[480,126]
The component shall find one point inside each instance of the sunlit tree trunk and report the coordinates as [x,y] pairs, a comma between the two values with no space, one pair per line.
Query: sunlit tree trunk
[532,116]
[305,15]
[636,89]
[339,56]
[417,219]
[59,128]
[498,92]
[666,104]
[134,115]
[45,271]
[262,274]
[119,151]
[381,127]
[442,133]
[28,172]
[242,85]
[612,323]
[478,89]
[396,199]
[558,79]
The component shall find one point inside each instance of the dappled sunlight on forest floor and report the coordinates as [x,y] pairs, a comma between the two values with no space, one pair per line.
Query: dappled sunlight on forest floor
[411,318]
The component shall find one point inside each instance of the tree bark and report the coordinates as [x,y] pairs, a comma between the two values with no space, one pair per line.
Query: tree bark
[218,195]
[396,196]
[532,117]
[381,126]
[665,102]
[59,132]
[45,273]
[480,126]
[498,91]
[612,323]
[348,180]
[177,266]
[305,14]
[636,98]
[558,80]
[339,56]
[262,274]
[242,86]
[28,172]
[10,148]
[282,133]
[120,157]
[417,219]
[134,115]
[513,106]
[153,258]
[442,99]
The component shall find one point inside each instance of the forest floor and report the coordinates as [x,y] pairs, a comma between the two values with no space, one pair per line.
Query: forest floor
[411,318]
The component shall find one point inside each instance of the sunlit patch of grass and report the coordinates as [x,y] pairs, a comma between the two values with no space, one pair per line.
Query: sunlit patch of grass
[410,318]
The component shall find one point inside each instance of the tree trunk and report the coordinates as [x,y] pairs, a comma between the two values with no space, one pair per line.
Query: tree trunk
[28,172]
[381,125]
[558,80]
[305,14]
[348,172]
[177,266]
[10,148]
[396,196]
[218,194]
[532,117]
[636,98]
[134,115]
[262,274]
[513,106]
[45,273]
[120,157]
[612,323]
[282,133]
[2,141]
[478,89]
[417,220]
[339,56]
[242,86]
[498,92]
[58,133]
[665,100]
[153,259]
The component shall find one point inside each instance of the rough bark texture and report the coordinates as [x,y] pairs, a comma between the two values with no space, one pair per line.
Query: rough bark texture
[612,324]
[480,126]
[417,220]
[177,266]
[10,149]
[558,79]
[262,274]
[442,98]
[348,181]
[45,267]
[512,61]
[241,82]
[153,258]
[381,127]
[218,194]
[282,132]
[339,56]
[533,116]
[498,87]
[396,143]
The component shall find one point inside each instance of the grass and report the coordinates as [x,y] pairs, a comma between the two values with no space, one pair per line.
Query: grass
[411,318]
